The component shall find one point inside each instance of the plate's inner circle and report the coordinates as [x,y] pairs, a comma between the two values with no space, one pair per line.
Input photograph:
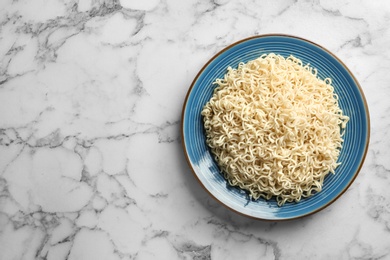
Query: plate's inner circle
[351,101]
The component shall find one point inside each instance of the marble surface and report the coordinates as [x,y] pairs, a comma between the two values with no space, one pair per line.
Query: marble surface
[91,163]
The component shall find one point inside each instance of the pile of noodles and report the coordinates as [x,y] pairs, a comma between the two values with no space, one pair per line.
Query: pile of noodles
[275,128]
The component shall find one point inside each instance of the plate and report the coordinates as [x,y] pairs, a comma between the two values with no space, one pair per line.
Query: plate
[351,101]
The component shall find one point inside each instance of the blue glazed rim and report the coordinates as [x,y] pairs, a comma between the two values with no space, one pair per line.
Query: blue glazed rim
[352,101]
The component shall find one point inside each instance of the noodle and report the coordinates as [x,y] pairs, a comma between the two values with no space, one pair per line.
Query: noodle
[274,128]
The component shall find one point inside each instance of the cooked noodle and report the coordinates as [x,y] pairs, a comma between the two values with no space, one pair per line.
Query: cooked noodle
[275,128]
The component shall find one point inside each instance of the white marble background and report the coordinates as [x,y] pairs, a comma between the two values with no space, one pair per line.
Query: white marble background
[91,164]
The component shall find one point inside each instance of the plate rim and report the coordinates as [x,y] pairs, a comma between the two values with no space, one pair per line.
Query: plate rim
[365,104]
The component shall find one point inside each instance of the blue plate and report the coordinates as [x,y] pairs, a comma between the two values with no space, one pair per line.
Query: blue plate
[351,100]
